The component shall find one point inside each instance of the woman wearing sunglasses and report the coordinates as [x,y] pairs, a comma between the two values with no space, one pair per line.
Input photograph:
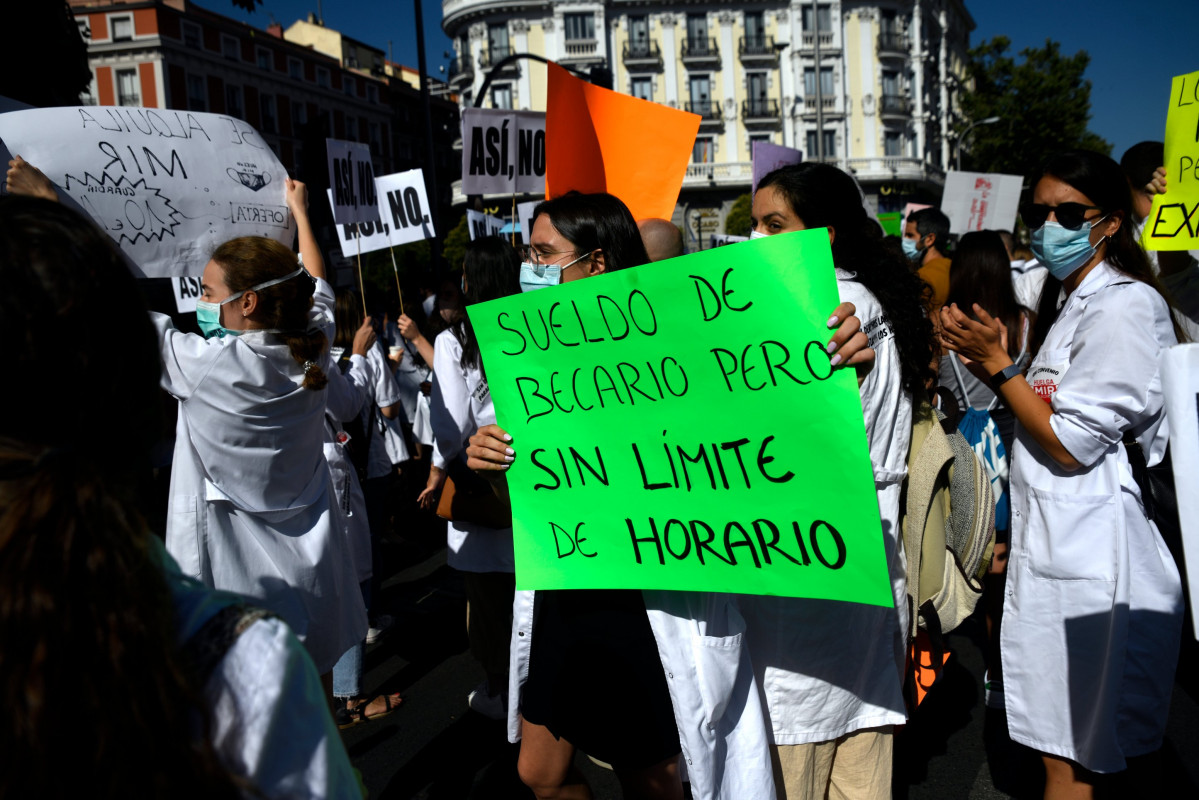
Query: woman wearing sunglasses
[1093,610]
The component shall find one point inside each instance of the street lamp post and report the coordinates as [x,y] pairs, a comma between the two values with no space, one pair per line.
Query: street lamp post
[957,159]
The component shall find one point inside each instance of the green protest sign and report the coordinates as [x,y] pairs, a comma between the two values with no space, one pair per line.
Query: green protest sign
[679,426]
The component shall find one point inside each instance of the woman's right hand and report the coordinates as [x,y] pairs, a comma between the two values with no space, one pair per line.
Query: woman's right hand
[488,451]
[408,328]
[364,339]
[428,498]
[25,179]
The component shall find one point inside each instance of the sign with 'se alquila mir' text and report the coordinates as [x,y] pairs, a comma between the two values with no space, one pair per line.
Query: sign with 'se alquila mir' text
[680,426]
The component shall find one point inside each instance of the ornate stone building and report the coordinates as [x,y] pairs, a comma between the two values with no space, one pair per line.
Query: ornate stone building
[869,86]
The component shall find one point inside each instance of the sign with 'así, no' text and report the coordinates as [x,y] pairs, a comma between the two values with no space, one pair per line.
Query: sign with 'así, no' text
[352,179]
[1173,221]
[402,216]
[677,426]
[503,152]
[167,186]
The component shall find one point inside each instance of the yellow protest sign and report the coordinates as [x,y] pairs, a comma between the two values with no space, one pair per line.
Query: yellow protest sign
[1173,223]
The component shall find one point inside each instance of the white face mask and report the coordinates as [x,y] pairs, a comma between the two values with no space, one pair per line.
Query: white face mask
[757,235]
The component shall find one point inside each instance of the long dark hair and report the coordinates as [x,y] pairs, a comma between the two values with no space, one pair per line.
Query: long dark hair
[982,274]
[1103,182]
[347,318]
[597,222]
[95,690]
[251,260]
[825,197]
[492,270]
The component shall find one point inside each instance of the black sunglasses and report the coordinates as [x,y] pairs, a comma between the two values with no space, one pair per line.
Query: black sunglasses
[1069,215]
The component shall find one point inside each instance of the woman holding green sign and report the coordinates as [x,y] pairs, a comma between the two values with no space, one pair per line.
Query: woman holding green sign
[1093,612]
[595,679]
[831,672]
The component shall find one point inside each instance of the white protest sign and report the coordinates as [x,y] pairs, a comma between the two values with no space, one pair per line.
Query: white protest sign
[503,152]
[404,206]
[524,213]
[167,186]
[352,179]
[187,292]
[1180,383]
[482,225]
[721,239]
[372,235]
[975,201]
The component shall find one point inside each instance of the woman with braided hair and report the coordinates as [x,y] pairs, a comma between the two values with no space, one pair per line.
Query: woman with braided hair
[251,506]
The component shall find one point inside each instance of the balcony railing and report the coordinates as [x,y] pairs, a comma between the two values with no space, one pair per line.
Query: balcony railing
[826,104]
[708,112]
[700,50]
[892,43]
[757,47]
[581,50]
[642,53]
[736,173]
[762,109]
[808,39]
[462,67]
[494,55]
[894,104]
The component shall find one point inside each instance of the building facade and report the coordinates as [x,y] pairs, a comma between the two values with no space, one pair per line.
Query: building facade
[869,86]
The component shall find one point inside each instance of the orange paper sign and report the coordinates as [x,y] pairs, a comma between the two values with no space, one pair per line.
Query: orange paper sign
[598,140]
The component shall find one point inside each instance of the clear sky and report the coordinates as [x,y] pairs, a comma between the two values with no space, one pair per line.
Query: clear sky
[1135,47]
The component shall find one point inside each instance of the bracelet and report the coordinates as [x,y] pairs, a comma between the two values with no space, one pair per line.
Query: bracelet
[1004,375]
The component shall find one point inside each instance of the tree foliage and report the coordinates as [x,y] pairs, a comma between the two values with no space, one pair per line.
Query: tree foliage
[1043,102]
[456,240]
[737,222]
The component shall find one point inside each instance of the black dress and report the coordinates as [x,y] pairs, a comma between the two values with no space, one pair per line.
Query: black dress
[595,677]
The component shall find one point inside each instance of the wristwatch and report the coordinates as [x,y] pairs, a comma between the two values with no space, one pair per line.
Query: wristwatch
[1004,375]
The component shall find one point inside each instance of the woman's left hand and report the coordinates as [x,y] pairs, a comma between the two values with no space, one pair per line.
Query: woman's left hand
[428,498]
[849,345]
[981,343]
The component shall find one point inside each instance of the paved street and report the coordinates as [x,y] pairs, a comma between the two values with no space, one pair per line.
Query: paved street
[434,747]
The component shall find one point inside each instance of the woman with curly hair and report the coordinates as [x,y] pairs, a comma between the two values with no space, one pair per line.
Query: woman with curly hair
[831,672]
[120,675]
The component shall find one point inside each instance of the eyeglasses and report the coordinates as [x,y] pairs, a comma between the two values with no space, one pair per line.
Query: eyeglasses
[1069,215]
[540,259]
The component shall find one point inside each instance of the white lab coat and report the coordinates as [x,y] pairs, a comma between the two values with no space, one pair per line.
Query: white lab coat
[744,671]
[461,404]
[346,397]
[251,508]
[829,668]
[270,724]
[1093,612]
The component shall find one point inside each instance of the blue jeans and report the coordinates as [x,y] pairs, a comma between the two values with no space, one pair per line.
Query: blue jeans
[347,672]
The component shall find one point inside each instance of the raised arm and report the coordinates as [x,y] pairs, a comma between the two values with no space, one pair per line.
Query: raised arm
[310,251]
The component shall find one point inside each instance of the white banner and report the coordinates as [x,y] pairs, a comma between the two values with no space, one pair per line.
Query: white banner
[1180,382]
[352,179]
[721,239]
[524,213]
[404,207]
[482,225]
[975,201]
[503,152]
[374,235]
[168,186]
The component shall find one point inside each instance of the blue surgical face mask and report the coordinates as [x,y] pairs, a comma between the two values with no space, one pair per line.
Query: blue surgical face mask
[538,276]
[757,235]
[208,315]
[910,249]
[1062,250]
